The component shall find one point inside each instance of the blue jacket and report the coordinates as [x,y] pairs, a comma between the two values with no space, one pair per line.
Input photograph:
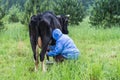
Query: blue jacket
[64,46]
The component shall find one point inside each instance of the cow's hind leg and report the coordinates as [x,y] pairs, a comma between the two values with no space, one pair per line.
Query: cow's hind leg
[37,53]
[36,61]
[45,43]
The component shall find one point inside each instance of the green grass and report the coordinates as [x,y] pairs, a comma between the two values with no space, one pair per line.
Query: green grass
[99,60]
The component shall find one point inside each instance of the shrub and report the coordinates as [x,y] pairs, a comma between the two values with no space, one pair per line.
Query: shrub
[2,14]
[105,13]
[14,13]
[33,7]
[72,7]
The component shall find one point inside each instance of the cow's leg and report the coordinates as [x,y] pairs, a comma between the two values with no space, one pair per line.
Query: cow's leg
[37,53]
[36,61]
[42,56]
[42,62]
[34,49]
[40,45]
[43,66]
[45,43]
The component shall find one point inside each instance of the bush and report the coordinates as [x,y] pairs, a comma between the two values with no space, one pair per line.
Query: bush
[105,13]
[2,14]
[33,7]
[14,13]
[72,7]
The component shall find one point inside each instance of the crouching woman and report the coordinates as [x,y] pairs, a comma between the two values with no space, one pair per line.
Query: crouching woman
[64,47]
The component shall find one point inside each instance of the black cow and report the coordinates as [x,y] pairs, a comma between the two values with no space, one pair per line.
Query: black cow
[40,30]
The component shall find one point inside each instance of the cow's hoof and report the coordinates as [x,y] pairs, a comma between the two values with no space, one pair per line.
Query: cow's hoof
[36,69]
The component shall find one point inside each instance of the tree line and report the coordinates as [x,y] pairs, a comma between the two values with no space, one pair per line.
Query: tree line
[103,13]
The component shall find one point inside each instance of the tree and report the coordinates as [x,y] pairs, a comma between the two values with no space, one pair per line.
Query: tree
[2,14]
[10,3]
[33,7]
[105,13]
[14,13]
[72,7]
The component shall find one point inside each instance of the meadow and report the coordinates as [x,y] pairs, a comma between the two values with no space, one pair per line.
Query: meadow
[99,59]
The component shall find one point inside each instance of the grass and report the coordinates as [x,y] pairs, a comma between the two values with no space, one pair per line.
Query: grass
[99,60]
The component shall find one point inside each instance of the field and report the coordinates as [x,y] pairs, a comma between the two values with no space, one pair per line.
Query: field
[99,59]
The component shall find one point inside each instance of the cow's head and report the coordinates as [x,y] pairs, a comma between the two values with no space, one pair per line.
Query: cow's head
[63,19]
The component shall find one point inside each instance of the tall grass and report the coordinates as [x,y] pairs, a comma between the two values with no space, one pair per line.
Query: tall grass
[99,59]
[14,31]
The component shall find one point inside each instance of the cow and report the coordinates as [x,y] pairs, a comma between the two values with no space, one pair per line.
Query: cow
[40,31]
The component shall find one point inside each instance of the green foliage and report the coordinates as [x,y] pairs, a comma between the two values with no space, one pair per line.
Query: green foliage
[35,6]
[14,31]
[105,13]
[87,3]
[31,7]
[47,5]
[2,14]
[72,7]
[14,13]
[10,3]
